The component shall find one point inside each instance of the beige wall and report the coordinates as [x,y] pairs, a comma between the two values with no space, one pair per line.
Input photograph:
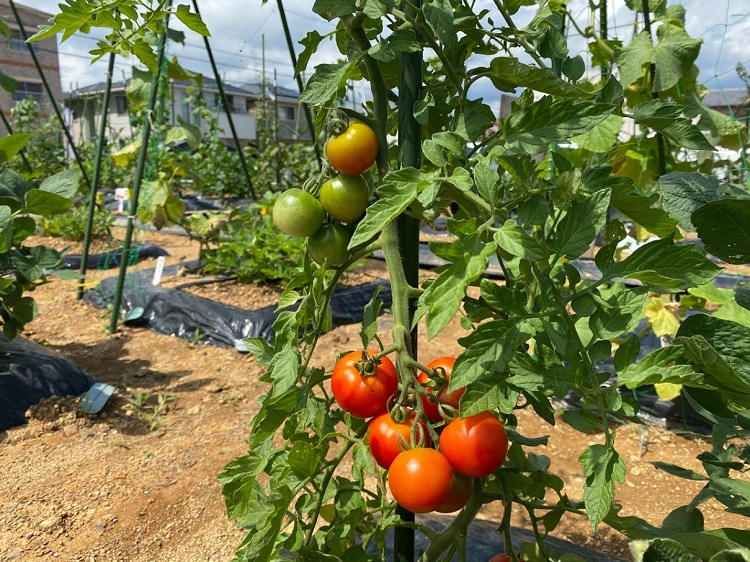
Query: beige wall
[16,61]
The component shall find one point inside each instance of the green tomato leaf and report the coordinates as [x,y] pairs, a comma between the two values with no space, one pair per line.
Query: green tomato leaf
[514,240]
[724,228]
[623,312]
[601,137]
[332,9]
[661,366]
[532,129]
[474,121]
[684,192]
[442,298]
[328,82]
[640,208]
[508,73]
[718,348]
[439,17]
[482,397]
[602,467]
[665,117]
[191,20]
[580,226]
[398,190]
[488,350]
[665,267]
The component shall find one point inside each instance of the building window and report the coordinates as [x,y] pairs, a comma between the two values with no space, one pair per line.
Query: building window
[287,112]
[121,105]
[16,42]
[26,90]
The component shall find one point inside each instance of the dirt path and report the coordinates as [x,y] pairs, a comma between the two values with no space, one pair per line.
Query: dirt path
[134,484]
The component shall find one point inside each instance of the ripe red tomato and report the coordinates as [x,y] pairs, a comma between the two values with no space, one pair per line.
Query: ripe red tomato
[475,446]
[298,213]
[330,244]
[420,479]
[362,387]
[344,197]
[461,489]
[386,438]
[354,151]
[503,558]
[450,398]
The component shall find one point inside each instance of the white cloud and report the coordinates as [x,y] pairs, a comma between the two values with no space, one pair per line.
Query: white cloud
[237,27]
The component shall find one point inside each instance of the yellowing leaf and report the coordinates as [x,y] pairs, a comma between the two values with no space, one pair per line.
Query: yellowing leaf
[663,321]
[667,391]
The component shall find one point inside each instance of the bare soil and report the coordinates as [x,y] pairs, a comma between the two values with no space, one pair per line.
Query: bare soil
[137,482]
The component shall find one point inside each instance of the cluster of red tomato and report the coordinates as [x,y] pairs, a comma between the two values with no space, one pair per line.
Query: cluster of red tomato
[344,198]
[421,478]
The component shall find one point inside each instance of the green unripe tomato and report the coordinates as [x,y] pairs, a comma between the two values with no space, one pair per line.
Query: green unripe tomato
[345,198]
[329,245]
[297,213]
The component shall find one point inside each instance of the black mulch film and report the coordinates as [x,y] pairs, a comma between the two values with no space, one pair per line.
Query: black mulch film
[109,260]
[29,373]
[183,315]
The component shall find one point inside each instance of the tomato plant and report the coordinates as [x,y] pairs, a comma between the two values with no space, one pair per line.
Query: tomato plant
[444,366]
[420,479]
[387,438]
[329,244]
[475,446]
[363,385]
[345,197]
[354,150]
[297,213]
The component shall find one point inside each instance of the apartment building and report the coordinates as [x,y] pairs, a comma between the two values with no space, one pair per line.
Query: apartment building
[16,60]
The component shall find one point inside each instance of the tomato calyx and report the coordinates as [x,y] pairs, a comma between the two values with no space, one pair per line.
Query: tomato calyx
[368,364]
[337,122]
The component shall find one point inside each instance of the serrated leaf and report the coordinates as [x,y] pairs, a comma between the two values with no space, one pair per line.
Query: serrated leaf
[601,137]
[508,73]
[724,228]
[441,300]
[487,350]
[397,191]
[580,226]
[661,366]
[532,129]
[684,192]
[474,120]
[627,353]
[192,20]
[673,56]
[639,208]
[623,313]
[727,349]
[603,467]
[582,421]
[327,82]
[331,9]
[665,267]
[439,17]
[514,240]
[370,318]
[483,397]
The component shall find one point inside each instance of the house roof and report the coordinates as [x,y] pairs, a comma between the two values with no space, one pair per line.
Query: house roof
[29,10]
[731,97]
[209,84]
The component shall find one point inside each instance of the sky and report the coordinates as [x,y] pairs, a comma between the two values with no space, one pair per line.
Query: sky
[241,29]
